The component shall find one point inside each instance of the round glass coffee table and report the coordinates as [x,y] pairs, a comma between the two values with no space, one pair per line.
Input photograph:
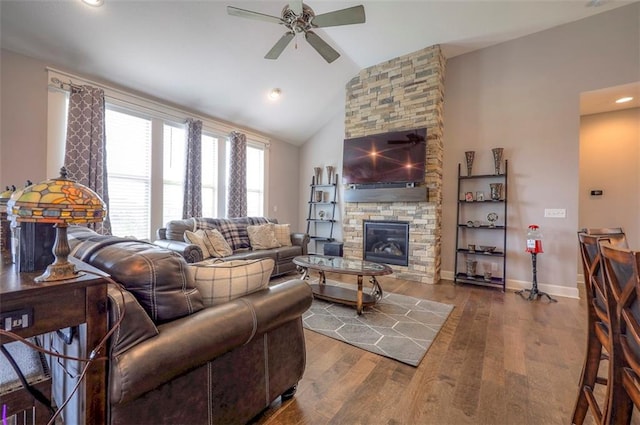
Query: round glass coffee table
[360,268]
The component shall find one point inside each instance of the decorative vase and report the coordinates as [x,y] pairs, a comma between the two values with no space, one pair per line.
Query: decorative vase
[469,155]
[497,158]
[318,174]
[496,191]
[471,268]
[318,196]
[330,170]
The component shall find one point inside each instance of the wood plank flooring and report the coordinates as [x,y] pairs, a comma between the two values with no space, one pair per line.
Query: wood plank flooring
[499,359]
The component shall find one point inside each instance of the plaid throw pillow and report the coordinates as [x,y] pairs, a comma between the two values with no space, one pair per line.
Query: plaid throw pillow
[283,234]
[220,282]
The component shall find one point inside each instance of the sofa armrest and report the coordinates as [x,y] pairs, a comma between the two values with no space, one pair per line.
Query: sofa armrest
[191,252]
[161,233]
[136,325]
[301,239]
[192,341]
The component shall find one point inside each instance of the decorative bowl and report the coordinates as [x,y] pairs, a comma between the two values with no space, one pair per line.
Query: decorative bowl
[485,248]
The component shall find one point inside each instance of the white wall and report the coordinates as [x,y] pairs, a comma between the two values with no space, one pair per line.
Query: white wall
[23,127]
[610,161]
[23,124]
[524,95]
[324,148]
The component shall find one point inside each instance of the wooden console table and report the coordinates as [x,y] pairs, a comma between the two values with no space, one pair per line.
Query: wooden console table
[58,305]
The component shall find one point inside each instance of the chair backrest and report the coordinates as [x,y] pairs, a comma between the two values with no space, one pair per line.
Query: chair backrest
[591,264]
[621,268]
[615,234]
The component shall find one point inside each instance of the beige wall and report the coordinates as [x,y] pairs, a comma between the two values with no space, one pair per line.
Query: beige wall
[524,95]
[23,133]
[610,160]
[23,144]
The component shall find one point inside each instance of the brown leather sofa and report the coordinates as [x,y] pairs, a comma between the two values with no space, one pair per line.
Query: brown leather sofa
[174,361]
[172,237]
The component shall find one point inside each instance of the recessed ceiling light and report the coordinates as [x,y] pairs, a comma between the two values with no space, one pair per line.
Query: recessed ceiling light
[275,94]
[94,3]
[624,99]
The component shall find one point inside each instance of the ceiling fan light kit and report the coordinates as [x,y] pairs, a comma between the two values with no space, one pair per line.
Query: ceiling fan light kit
[299,18]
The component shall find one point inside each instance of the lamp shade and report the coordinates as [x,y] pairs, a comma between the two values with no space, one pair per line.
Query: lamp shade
[59,200]
[62,202]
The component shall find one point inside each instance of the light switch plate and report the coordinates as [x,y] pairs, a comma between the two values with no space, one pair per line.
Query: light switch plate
[555,213]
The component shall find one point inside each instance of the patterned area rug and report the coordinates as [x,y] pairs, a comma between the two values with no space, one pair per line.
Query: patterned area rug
[398,326]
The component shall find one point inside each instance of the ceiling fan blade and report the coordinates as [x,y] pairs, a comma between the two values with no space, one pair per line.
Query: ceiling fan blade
[279,47]
[296,7]
[234,11]
[326,51]
[348,16]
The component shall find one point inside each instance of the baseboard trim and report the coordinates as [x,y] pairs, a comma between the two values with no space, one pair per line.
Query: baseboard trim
[516,285]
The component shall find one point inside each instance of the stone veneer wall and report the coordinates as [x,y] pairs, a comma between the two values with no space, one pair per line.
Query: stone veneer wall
[402,94]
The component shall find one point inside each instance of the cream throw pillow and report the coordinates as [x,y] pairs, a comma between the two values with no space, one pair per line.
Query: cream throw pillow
[217,244]
[198,238]
[222,281]
[262,237]
[283,234]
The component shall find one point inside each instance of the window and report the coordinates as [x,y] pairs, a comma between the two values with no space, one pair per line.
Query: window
[174,139]
[145,144]
[255,181]
[128,146]
[209,176]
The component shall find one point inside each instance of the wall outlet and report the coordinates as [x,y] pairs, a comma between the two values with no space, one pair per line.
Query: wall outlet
[555,213]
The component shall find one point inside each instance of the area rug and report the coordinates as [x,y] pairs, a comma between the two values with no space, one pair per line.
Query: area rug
[398,326]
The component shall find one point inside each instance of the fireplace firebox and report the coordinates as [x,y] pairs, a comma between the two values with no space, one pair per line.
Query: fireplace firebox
[386,242]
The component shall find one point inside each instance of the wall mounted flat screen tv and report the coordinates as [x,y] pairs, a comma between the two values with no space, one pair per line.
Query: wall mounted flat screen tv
[395,157]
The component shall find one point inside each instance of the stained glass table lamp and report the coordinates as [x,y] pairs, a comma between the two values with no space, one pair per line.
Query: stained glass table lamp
[60,201]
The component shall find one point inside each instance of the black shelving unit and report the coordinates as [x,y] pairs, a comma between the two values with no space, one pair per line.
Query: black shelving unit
[320,225]
[473,228]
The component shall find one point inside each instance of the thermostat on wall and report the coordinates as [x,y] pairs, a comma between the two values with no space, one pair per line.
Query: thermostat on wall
[597,192]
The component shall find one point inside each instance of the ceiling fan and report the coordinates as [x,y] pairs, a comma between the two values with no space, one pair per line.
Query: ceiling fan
[300,18]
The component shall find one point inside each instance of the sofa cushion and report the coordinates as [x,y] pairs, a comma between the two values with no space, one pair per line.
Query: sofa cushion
[198,238]
[221,282]
[262,237]
[287,252]
[283,234]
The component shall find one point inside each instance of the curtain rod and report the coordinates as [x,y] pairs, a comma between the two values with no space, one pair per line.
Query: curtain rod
[152,105]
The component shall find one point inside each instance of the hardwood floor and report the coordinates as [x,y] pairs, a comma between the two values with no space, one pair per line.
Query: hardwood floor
[499,359]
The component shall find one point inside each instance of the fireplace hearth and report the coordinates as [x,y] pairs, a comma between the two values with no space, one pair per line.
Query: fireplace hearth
[386,242]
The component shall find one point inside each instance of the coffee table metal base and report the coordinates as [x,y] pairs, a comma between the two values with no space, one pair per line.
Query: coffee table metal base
[346,296]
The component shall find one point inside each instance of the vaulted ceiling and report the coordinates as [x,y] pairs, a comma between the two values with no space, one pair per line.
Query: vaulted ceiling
[192,53]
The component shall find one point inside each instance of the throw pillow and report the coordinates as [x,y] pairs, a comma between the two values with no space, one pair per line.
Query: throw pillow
[217,244]
[220,282]
[283,234]
[262,237]
[198,238]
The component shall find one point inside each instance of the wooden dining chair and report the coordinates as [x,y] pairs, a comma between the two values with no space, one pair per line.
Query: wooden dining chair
[598,324]
[621,270]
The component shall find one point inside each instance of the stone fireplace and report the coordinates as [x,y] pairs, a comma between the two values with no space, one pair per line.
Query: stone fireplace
[401,94]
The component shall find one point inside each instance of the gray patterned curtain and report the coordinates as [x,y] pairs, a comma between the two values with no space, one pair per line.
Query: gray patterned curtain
[237,201]
[192,202]
[85,156]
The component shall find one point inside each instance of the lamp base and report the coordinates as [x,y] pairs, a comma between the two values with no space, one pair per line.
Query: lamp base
[58,271]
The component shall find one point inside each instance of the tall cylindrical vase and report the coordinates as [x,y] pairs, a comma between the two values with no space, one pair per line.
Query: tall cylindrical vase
[497,158]
[496,191]
[330,170]
[318,174]
[469,155]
